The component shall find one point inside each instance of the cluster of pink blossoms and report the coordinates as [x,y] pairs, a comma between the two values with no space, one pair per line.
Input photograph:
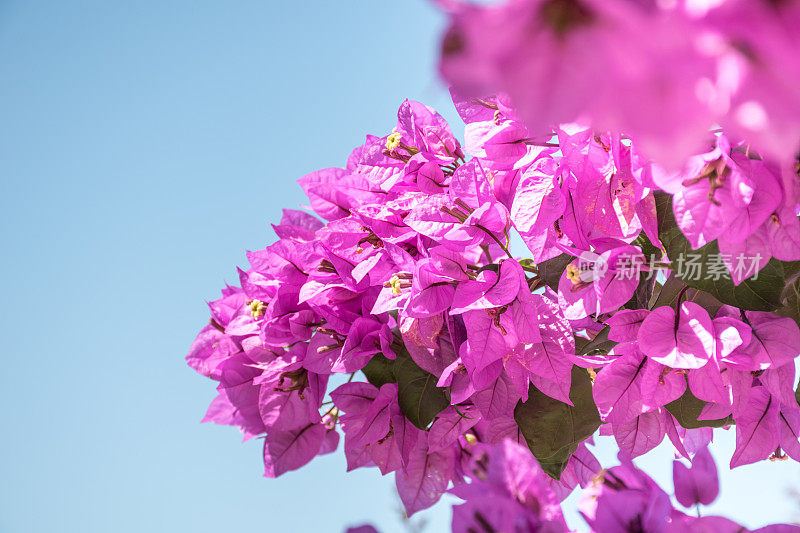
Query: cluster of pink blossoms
[662,71]
[509,493]
[453,351]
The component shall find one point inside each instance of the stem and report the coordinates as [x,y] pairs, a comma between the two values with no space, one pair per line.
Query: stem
[329,411]
[462,415]
[543,144]
[678,306]
[680,297]
[486,253]
[495,239]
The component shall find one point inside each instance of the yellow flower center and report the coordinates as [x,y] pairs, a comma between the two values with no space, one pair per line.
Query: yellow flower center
[257,308]
[393,140]
[573,274]
[394,283]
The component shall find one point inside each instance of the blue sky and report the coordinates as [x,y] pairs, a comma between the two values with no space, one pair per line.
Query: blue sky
[144,146]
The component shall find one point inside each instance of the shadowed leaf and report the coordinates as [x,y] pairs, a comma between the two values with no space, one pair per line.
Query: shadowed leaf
[550,271]
[553,429]
[668,294]
[791,300]
[761,294]
[379,371]
[419,397]
[600,343]
[797,394]
[687,408]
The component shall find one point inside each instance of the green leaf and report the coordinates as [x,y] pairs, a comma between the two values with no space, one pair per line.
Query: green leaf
[644,289]
[599,343]
[494,267]
[649,249]
[379,371]
[797,394]
[550,271]
[761,294]
[791,299]
[553,429]
[668,295]
[643,293]
[687,408]
[419,397]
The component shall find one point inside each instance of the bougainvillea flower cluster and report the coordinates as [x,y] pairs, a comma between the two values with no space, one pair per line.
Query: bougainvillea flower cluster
[508,492]
[471,317]
[661,71]
[395,314]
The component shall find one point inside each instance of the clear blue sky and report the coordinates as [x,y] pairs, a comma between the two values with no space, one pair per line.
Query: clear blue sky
[144,146]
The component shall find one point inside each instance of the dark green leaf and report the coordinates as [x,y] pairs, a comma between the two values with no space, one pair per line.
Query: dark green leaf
[379,370]
[650,250]
[494,267]
[668,294]
[797,394]
[600,343]
[419,397]
[644,290]
[687,408]
[761,294]
[643,293]
[791,299]
[553,429]
[550,271]
[580,342]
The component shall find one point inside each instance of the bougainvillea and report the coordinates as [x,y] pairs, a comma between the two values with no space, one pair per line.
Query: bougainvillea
[646,298]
